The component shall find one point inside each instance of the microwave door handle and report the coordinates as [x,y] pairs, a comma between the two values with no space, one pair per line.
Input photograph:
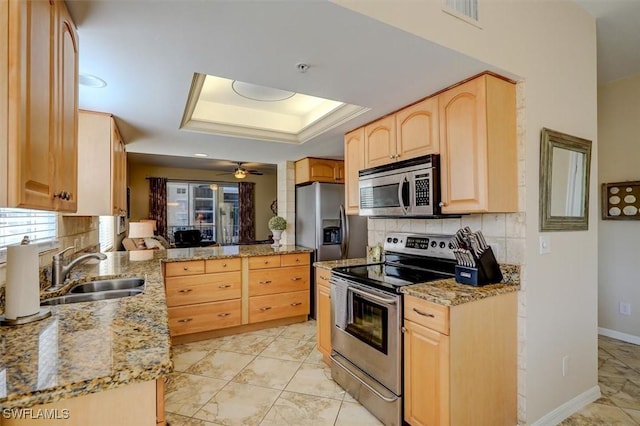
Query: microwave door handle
[404,181]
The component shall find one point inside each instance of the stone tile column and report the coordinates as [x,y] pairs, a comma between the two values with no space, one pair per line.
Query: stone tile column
[287,200]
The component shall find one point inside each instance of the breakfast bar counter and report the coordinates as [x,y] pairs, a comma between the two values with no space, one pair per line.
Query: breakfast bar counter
[84,348]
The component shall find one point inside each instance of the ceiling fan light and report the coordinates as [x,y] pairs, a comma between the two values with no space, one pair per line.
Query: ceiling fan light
[240,174]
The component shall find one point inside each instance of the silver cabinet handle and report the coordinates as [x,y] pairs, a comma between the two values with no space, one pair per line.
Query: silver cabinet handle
[391,156]
[224,314]
[324,278]
[186,268]
[186,290]
[186,320]
[224,265]
[296,278]
[265,308]
[264,282]
[442,204]
[224,286]
[296,304]
[424,314]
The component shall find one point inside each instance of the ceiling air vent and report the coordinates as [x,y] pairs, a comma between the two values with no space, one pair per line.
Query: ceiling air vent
[465,9]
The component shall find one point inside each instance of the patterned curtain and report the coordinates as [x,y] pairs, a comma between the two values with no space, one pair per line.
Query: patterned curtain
[247,211]
[158,203]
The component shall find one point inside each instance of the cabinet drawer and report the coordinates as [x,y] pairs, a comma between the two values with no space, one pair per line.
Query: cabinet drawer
[261,262]
[322,277]
[176,269]
[203,288]
[428,314]
[222,265]
[265,308]
[281,280]
[294,259]
[204,317]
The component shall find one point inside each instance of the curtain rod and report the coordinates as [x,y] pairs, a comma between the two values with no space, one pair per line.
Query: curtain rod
[193,180]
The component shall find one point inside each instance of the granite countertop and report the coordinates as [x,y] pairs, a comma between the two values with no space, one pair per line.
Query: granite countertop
[446,292]
[330,264]
[449,293]
[95,346]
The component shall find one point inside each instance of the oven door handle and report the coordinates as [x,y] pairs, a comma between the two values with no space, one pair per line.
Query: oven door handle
[370,296]
[404,181]
[378,394]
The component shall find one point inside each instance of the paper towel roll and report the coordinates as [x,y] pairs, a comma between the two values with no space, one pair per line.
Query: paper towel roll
[22,290]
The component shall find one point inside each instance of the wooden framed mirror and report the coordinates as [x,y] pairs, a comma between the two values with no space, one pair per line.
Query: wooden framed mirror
[565,162]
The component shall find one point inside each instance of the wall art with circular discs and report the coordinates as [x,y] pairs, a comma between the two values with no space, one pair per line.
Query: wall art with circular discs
[621,200]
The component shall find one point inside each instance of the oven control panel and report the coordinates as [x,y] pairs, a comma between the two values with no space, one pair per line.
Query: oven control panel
[434,245]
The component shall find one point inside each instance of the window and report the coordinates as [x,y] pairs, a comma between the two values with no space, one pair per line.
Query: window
[106,231]
[40,226]
[209,207]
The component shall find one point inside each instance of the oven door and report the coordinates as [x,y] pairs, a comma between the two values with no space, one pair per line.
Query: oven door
[387,194]
[365,329]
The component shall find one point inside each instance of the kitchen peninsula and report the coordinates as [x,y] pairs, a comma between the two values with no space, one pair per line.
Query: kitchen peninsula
[104,361]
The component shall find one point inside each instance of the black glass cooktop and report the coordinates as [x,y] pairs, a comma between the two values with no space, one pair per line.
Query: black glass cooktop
[391,276]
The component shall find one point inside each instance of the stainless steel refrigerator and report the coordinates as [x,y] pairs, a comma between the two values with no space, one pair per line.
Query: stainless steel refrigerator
[322,225]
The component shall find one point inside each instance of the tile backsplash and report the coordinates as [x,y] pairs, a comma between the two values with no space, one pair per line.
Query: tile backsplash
[84,229]
[505,232]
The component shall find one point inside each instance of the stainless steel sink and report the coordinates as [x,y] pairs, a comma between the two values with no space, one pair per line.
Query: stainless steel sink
[90,297]
[108,285]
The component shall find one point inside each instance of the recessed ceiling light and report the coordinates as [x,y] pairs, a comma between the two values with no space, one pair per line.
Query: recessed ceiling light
[199,154]
[89,80]
[260,93]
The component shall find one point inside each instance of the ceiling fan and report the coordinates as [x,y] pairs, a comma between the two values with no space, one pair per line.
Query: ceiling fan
[241,172]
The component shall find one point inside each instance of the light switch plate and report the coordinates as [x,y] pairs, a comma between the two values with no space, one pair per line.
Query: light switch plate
[545,244]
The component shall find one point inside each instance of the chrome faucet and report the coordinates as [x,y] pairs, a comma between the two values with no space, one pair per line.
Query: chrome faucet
[59,270]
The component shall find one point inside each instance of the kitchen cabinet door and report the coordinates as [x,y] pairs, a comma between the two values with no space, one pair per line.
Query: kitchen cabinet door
[102,171]
[319,170]
[38,106]
[323,320]
[353,163]
[418,129]
[478,147]
[67,110]
[31,134]
[426,376]
[380,142]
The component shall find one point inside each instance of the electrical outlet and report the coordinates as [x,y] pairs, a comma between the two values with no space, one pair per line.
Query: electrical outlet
[624,308]
[565,365]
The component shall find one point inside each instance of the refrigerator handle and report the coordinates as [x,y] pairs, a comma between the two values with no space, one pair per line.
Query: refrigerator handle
[344,231]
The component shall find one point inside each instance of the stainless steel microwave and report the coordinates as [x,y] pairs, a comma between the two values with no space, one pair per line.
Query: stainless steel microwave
[406,188]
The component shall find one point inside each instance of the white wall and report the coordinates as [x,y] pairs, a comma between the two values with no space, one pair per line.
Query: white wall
[551,46]
[618,253]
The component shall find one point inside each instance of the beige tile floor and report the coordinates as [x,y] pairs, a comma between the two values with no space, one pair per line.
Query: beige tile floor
[619,379]
[271,377]
[276,377]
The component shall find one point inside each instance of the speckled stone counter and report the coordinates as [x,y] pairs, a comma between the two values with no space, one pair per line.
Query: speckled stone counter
[96,346]
[448,292]
[330,264]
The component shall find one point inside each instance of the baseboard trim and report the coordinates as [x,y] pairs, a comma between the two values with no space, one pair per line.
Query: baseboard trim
[568,408]
[629,338]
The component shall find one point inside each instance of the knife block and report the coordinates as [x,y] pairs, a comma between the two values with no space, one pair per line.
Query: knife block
[486,271]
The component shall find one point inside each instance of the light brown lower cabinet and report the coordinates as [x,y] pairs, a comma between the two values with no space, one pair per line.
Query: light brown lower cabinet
[460,362]
[218,295]
[323,313]
[137,404]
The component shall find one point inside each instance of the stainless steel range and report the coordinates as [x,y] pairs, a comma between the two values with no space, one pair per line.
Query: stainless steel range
[366,318]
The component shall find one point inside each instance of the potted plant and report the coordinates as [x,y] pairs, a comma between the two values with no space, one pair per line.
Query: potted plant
[277,224]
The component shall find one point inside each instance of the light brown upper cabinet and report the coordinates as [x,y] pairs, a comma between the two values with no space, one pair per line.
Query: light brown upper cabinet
[353,163]
[380,142]
[319,170]
[417,130]
[38,105]
[478,147]
[102,170]
[409,133]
